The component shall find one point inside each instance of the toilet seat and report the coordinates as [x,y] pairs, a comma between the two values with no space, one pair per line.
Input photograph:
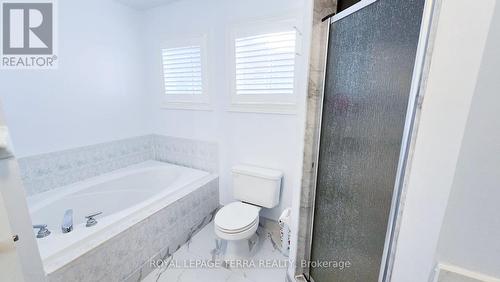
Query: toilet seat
[236,221]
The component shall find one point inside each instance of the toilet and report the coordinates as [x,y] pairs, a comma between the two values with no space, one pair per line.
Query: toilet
[254,188]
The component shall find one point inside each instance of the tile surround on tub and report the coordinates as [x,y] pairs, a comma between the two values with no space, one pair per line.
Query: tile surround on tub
[126,257]
[44,172]
[186,152]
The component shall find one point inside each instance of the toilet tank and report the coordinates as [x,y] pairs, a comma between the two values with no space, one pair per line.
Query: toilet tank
[256,185]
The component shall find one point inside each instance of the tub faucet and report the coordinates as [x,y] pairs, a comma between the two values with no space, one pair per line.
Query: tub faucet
[43,231]
[67,223]
[91,219]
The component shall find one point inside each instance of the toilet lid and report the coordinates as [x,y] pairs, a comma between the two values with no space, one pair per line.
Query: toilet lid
[236,216]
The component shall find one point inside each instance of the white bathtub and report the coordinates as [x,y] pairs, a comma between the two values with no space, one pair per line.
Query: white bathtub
[125,197]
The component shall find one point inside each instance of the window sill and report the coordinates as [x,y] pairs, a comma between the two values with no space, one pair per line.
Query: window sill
[187,106]
[264,108]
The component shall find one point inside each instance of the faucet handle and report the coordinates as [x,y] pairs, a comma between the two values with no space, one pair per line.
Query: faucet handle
[91,220]
[93,215]
[43,231]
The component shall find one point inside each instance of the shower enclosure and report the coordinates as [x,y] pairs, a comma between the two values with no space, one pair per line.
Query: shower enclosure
[366,114]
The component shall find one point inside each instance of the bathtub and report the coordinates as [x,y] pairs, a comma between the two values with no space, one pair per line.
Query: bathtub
[125,197]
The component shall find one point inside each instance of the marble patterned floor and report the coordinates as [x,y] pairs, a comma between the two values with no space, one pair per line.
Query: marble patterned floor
[201,259]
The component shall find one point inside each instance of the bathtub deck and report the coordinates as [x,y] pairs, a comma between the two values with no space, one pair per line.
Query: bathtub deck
[203,247]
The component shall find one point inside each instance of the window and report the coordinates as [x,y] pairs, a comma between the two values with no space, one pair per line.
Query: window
[265,63]
[182,70]
[184,74]
[264,68]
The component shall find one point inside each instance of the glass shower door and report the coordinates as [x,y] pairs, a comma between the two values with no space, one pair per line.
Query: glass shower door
[371,56]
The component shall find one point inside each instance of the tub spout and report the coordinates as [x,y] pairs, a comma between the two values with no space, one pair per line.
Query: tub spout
[67,223]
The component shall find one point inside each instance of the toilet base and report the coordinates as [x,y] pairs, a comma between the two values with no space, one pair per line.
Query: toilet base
[233,251]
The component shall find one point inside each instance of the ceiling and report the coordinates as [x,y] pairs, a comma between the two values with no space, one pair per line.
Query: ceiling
[144,4]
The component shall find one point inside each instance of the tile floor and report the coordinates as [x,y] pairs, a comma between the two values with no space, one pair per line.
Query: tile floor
[265,264]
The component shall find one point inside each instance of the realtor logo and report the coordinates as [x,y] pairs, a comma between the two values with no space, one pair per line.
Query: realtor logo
[28,35]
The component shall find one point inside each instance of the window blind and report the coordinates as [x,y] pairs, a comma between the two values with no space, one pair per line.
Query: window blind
[182,70]
[265,63]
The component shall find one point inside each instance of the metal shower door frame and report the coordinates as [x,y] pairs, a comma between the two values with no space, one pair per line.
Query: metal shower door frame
[421,66]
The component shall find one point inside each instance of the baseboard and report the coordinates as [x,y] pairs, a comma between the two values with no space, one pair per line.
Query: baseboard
[452,273]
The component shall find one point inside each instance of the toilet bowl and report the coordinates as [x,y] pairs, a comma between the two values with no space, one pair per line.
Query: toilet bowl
[236,223]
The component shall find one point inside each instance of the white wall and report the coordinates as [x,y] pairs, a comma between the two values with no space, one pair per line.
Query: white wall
[268,140]
[458,49]
[95,95]
[470,236]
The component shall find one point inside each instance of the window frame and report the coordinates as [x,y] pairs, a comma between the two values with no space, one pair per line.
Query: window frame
[188,101]
[262,103]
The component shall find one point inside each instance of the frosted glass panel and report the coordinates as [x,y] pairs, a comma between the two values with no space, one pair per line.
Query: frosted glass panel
[369,70]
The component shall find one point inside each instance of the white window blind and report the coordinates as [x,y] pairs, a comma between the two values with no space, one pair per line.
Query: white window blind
[182,70]
[265,63]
